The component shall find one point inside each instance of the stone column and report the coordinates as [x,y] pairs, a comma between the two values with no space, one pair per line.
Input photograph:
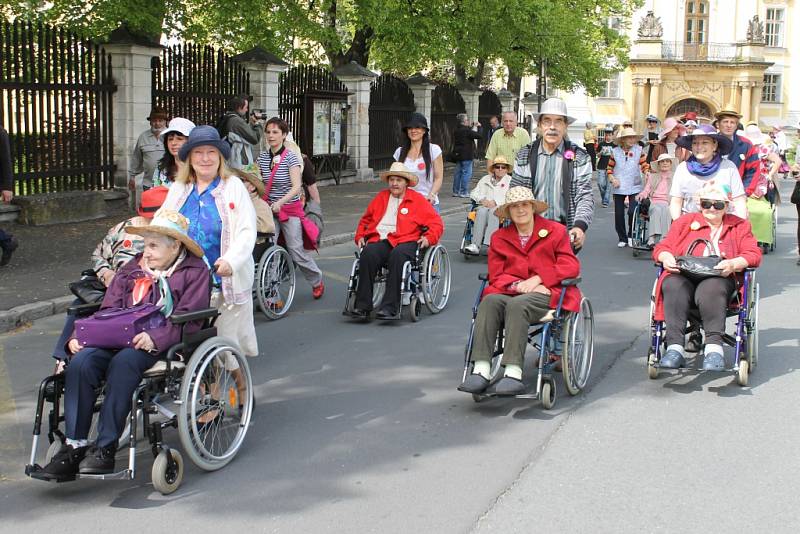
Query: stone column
[264,69]
[747,96]
[755,105]
[358,80]
[506,100]
[131,66]
[422,88]
[471,96]
[639,103]
[655,98]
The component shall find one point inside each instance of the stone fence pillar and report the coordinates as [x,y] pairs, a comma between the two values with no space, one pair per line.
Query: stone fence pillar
[422,88]
[471,96]
[131,58]
[506,100]
[265,69]
[358,80]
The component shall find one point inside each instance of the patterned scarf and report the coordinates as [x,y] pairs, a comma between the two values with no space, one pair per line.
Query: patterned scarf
[142,285]
[704,169]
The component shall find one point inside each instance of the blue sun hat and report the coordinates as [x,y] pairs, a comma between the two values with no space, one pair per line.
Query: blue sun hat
[725,145]
[204,136]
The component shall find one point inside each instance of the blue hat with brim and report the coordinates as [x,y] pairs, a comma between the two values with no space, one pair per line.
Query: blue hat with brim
[204,136]
[725,145]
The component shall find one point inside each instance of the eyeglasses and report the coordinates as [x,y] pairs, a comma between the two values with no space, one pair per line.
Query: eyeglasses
[716,204]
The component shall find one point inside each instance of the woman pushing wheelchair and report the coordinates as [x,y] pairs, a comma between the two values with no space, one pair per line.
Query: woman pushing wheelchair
[528,261]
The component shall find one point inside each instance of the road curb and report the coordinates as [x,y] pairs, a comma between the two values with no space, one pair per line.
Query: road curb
[27,313]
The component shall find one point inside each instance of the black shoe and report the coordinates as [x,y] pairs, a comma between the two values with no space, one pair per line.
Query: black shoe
[8,250]
[385,314]
[695,341]
[98,461]
[65,462]
[358,313]
[474,384]
[509,386]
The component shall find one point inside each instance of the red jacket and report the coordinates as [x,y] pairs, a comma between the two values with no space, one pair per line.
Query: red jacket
[413,213]
[735,240]
[547,253]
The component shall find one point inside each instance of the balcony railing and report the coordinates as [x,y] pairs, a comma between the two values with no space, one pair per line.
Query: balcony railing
[681,51]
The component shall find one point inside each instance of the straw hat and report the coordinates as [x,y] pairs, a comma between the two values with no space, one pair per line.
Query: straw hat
[398,169]
[169,223]
[501,160]
[178,125]
[517,195]
[253,179]
[666,157]
[670,124]
[627,132]
[727,111]
[554,106]
[713,190]
[152,199]
[755,135]
[725,145]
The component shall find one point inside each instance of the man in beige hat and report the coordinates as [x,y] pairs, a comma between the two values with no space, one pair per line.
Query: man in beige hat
[558,171]
[396,222]
[744,154]
[507,141]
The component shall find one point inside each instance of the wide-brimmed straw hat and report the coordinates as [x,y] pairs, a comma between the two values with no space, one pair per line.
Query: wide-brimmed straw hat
[158,113]
[713,190]
[152,199]
[398,169]
[204,136]
[627,132]
[554,106]
[666,157]
[517,195]
[670,124]
[170,223]
[178,125]
[501,160]
[253,179]
[727,111]
[416,120]
[754,134]
[725,145]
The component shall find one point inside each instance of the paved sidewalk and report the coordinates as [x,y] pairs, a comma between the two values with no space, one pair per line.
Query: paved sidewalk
[49,257]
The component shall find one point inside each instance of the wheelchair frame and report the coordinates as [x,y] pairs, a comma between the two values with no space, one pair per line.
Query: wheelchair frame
[421,280]
[177,383]
[639,232]
[274,270]
[559,334]
[744,340]
[466,238]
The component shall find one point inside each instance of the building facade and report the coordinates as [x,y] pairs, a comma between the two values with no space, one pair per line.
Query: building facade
[703,56]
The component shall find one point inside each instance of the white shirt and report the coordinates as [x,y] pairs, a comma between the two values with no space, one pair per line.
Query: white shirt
[388,222]
[417,166]
[685,184]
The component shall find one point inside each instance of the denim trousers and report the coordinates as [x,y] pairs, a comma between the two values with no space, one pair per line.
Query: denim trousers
[462,177]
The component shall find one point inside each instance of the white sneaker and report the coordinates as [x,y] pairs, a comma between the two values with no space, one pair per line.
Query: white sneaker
[630,242]
[622,244]
[472,248]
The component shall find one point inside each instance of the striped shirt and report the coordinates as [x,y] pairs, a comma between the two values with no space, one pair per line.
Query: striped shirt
[282,182]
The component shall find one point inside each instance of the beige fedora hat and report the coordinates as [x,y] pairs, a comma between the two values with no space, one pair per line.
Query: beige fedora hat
[554,106]
[398,169]
[501,160]
[170,223]
[519,194]
[627,132]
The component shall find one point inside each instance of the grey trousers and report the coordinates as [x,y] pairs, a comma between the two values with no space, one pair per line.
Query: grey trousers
[516,314]
[292,231]
[486,222]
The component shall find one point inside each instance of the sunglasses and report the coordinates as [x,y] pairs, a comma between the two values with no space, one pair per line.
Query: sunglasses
[716,204]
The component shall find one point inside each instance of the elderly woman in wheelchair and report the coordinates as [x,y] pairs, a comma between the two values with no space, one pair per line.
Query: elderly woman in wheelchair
[397,223]
[531,276]
[171,274]
[489,193]
[681,287]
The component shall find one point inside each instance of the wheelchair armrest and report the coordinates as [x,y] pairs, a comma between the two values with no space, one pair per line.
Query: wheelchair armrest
[484,277]
[567,282]
[84,310]
[198,315]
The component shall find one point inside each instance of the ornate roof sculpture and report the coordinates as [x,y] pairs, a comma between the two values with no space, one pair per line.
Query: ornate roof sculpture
[650,27]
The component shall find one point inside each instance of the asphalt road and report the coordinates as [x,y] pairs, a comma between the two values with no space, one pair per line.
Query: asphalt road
[359,427]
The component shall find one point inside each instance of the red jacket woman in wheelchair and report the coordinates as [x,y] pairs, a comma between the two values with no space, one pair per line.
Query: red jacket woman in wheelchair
[732,237]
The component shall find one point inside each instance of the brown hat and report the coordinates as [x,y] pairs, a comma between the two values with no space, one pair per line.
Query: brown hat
[170,223]
[158,113]
[500,160]
[727,111]
[398,169]
[253,179]
[517,195]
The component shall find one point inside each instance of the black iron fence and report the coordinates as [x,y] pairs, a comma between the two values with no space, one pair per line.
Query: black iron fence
[446,104]
[196,82]
[489,105]
[56,104]
[390,106]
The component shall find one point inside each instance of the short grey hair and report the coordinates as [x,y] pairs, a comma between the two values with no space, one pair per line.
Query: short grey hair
[461,118]
[158,236]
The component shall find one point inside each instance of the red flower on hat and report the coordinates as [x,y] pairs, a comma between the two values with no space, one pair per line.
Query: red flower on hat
[127,243]
[421,166]
[231,205]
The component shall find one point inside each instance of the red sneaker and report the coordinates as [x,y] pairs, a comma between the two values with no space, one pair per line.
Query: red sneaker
[317,291]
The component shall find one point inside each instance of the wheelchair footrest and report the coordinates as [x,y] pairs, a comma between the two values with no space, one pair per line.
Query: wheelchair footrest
[125,474]
[36,471]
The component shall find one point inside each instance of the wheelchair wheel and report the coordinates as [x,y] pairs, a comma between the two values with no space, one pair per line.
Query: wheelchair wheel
[743,374]
[752,325]
[415,309]
[576,360]
[211,387]
[652,370]
[548,394]
[436,278]
[167,479]
[275,282]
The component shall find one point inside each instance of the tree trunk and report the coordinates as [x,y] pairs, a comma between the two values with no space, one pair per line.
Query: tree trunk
[480,71]
[461,74]
[514,86]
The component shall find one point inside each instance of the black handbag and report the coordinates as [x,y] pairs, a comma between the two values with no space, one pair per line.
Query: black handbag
[89,288]
[796,194]
[698,268]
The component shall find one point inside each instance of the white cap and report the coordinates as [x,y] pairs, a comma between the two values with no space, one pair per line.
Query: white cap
[179,125]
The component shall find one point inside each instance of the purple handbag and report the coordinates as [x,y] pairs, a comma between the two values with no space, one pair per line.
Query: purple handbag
[115,328]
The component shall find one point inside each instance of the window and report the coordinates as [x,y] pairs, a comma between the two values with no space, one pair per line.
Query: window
[610,88]
[771,92]
[615,23]
[696,21]
[774,27]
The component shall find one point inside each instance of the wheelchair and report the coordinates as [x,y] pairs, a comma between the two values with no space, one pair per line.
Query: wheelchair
[568,338]
[275,280]
[197,376]
[425,281]
[639,231]
[744,340]
[466,238]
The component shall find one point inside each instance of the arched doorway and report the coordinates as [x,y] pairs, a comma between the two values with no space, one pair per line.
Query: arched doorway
[680,107]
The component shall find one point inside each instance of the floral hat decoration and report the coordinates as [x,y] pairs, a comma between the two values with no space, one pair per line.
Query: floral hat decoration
[169,223]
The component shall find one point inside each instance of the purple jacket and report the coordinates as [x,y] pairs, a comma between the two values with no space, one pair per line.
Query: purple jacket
[190,286]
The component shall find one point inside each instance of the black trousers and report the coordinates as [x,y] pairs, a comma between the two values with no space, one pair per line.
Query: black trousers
[710,296]
[592,154]
[619,215]
[798,227]
[373,258]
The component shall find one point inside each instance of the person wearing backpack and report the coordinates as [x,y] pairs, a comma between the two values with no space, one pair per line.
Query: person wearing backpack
[241,131]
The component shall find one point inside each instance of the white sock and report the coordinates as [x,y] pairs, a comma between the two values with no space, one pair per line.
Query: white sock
[76,443]
[483,368]
[677,347]
[513,371]
[710,347]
